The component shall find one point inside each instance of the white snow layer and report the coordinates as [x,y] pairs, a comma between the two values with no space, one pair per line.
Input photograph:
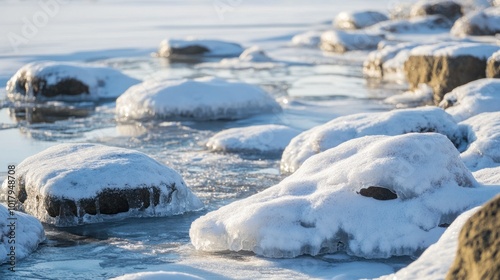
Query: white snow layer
[205,98]
[82,171]
[473,98]
[418,25]
[454,49]
[341,41]
[388,61]
[260,138]
[482,22]
[435,262]
[342,129]
[307,39]
[102,82]
[358,19]
[320,209]
[215,48]
[27,234]
[158,275]
[420,96]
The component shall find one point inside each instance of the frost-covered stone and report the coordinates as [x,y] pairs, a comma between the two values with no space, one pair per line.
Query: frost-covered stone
[449,9]
[493,66]
[388,61]
[259,138]
[472,99]
[327,205]
[158,275]
[358,19]
[445,66]
[198,48]
[49,80]
[343,41]
[27,234]
[479,23]
[428,24]
[342,129]
[71,184]
[200,99]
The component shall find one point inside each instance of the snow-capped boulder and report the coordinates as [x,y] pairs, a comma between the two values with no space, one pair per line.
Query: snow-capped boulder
[449,9]
[198,48]
[205,98]
[343,41]
[445,66]
[358,19]
[388,61]
[479,245]
[428,24]
[254,54]
[19,230]
[49,80]
[472,99]
[72,184]
[342,129]
[480,23]
[307,39]
[260,138]
[372,197]
[158,275]
[421,96]
[493,66]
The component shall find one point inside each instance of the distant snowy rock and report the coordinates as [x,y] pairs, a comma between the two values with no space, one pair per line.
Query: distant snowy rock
[372,197]
[493,67]
[435,262]
[259,138]
[200,99]
[25,235]
[479,23]
[342,129]
[388,61]
[428,24]
[343,41]
[421,96]
[358,19]
[72,184]
[473,99]
[449,9]
[48,80]
[158,275]
[254,54]
[307,39]
[253,57]
[198,48]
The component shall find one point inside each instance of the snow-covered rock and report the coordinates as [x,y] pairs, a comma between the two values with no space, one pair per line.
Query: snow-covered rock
[260,138]
[19,230]
[421,96]
[358,19]
[428,24]
[472,99]
[253,57]
[488,176]
[71,184]
[198,48]
[49,80]
[158,275]
[373,197]
[435,262]
[342,129]
[205,98]
[343,41]
[307,39]
[388,61]
[493,66]
[479,23]
[449,9]
[254,54]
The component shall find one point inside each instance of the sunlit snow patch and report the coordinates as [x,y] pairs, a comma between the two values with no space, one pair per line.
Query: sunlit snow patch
[373,197]
[158,275]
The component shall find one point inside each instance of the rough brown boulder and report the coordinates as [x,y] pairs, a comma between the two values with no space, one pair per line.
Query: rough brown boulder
[478,255]
[493,67]
[449,9]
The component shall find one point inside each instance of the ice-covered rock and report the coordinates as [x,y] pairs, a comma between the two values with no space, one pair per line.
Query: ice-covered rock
[343,41]
[472,99]
[205,98]
[71,184]
[342,129]
[372,197]
[449,9]
[388,61]
[307,39]
[18,230]
[260,138]
[358,19]
[479,23]
[445,66]
[428,24]
[48,80]
[493,66]
[421,96]
[198,48]
[483,135]
[158,275]
[435,262]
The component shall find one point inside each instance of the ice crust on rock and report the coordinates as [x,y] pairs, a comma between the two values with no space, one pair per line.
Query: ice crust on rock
[48,80]
[205,98]
[71,184]
[258,138]
[342,129]
[320,208]
[28,234]
[193,47]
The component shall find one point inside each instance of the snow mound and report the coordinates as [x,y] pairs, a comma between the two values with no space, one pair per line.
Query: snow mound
[428,24]
[482,22]
[342,129]
[260,138]
[373,197]
[178,48]
[28,234]
[358,19]
[435,262]
[48,80]
[454,49]
[483,135]
[70,184]
[422,95]
[343,41]
[471,99]
[307,39]
[200,99]
[388,61]
[488,176]
[158,275]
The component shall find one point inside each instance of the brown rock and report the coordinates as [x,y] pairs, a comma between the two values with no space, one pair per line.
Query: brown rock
[449,9]
[39,86]
[478,255]
[493,66]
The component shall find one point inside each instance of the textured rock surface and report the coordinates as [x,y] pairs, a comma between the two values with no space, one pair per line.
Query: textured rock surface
[493,66]
[481,23]
[449,9]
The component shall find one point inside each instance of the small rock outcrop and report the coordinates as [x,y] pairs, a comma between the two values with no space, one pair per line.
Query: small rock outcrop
[358,20]
[480,23]
[343,41]
[449,9]
[493,67]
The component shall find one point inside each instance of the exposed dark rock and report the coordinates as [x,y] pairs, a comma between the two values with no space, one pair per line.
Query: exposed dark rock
[188,50]
[379,193]
[493,66]
[449,9]
[480,23]
[39,86]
